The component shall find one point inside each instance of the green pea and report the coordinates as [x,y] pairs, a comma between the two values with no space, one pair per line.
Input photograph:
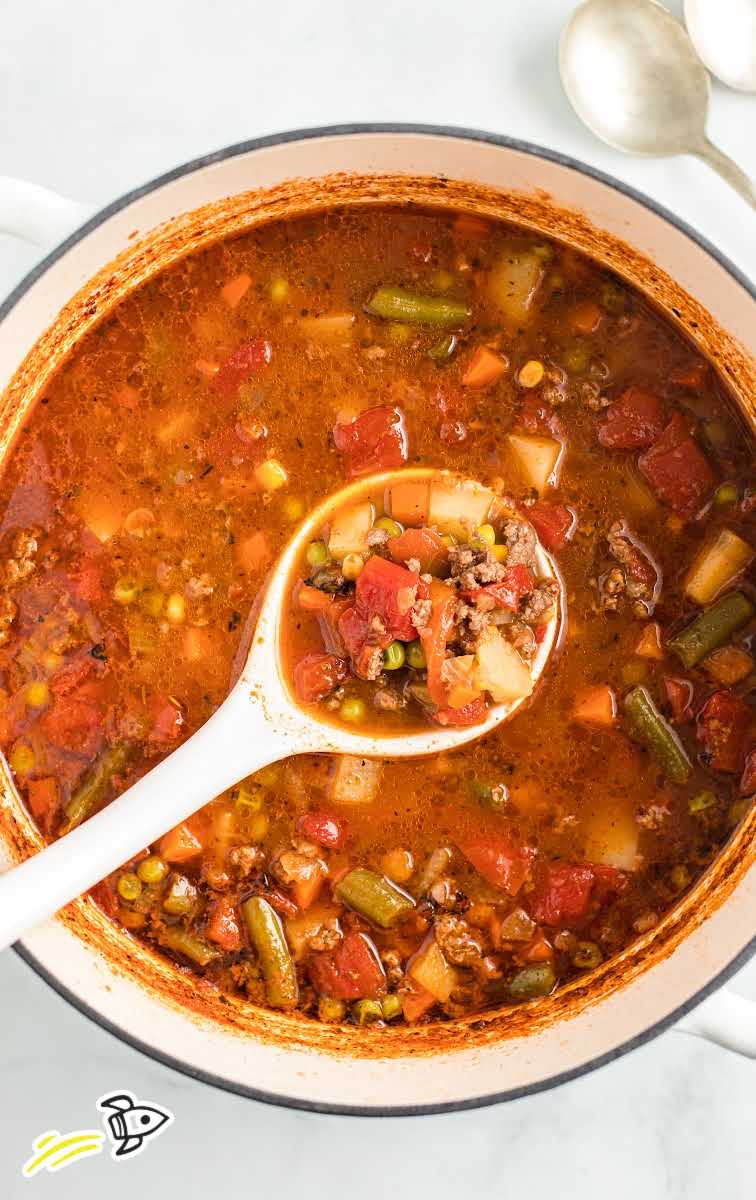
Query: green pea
[391,1008]
[367,1012]
[316,554]
[392,528]
[415,656]
[330,1010]
[701,802]
[152,869]
[353,710]
[393,656]
[726,494]
[586,955]
[129,886]
[536,980]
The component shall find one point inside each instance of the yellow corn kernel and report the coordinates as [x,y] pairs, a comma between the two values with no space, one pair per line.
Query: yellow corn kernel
[487,534]
[21,759]
[37,694]
[352,566]
[125,591]
[279,290]
[500,552]
[258,827]
[271,475]
[175,609]
[531,373]
[293,508]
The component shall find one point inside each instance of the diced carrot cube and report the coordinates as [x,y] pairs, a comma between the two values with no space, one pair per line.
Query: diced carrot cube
[207,368]
[236,289]
[416,1002]
[469,226]
[539,949]
[585,317]
[253,553]
[595,706]
[484,368]
[180,844]
[196,644]
[306,891]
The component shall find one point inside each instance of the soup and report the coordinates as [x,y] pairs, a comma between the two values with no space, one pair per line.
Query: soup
[168,462]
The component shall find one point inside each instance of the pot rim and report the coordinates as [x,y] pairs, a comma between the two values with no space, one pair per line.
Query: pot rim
[399,129]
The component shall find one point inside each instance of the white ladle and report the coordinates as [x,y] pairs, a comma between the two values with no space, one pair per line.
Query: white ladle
[258,723]
[631,74]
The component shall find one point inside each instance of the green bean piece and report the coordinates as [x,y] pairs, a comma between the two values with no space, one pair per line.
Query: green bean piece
[266,931]
[367,1012]
[91,792]
[648,727]
[373,897]
[536,980]
[397,304]
[711,628]
[186,943]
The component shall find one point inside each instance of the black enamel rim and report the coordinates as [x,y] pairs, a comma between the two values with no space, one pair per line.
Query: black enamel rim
[399,1110]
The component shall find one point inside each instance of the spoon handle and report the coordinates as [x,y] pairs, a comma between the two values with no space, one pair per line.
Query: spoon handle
[729,170]
[236,741]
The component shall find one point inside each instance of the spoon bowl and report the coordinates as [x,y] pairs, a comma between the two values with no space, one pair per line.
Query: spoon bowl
[632,75]
[259,723]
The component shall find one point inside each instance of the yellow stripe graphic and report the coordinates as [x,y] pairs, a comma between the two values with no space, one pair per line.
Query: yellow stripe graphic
[50,1144]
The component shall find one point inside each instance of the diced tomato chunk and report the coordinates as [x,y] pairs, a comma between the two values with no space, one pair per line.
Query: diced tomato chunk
[87,582]
[562,893]
[43,796]
[246,361]
[386,590]
[223,924]
[507,592]
[554,523]
[748,778]
[376,440]
[607,882]
[469,714]
[501,860]
[677,469]
[74,725]
[167,721]
[722,726]
[72,675]
[317,675]
[323,828]
[538,416]
[634,421]
[680,697]
[351,972]
[425,545]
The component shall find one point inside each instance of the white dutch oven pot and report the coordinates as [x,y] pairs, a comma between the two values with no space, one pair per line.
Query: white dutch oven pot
[660,980]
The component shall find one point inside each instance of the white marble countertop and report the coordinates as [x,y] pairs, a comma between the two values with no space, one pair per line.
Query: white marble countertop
[97,98]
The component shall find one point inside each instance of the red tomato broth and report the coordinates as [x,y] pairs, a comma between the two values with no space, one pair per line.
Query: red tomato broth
[173,504]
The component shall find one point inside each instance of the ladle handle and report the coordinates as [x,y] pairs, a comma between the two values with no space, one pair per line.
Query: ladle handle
[37,215]
[729,170]
[236,741]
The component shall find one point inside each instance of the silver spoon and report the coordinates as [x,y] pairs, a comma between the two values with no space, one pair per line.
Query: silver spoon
[631,74]
[258,723]
[724,35]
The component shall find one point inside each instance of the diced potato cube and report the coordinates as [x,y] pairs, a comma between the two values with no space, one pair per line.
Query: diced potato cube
[717,565]
[536,458]
[409,503]
[356,780]
[458,506]
[611,837]
[271,475]
[431,970]
[499,670]
[458,674]
[513,283]
[349,529]
[336,327]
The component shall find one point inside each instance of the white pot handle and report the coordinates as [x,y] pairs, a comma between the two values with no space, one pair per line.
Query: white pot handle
[725,1018]
[37,215]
